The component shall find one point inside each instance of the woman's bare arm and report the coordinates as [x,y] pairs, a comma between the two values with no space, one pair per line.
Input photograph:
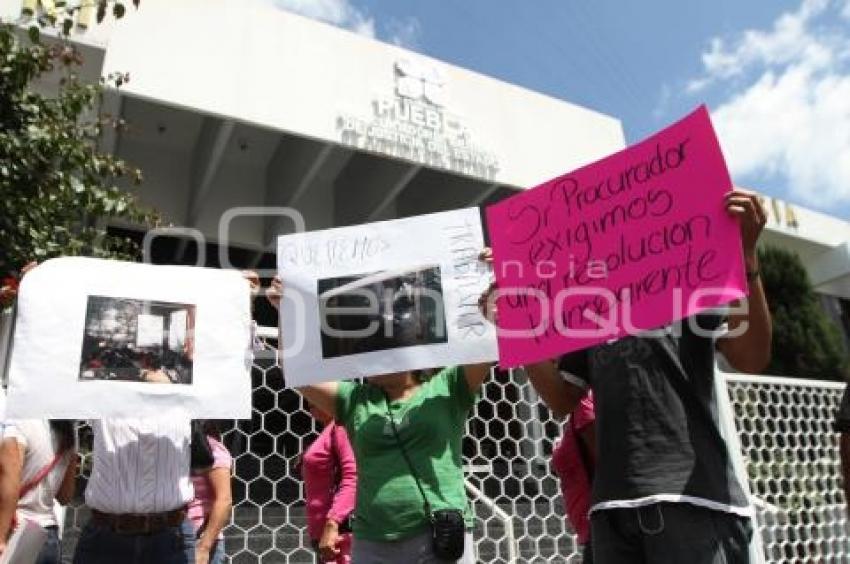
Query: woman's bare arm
[69,481]
[322,396]
[11,464]
[220,513]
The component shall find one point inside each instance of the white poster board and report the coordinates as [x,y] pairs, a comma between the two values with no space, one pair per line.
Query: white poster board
[384,297]
[102,339]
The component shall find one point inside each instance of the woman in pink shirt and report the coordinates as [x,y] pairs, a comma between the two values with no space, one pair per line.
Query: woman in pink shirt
[209,511]
[573,460]
[330,488]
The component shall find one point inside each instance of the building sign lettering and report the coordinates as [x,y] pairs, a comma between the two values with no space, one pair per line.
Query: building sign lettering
[779,213]
[414,124]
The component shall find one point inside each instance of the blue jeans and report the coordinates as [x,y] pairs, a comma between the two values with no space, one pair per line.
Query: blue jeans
[669,533]
[51,552]
[217,552]
[99,544]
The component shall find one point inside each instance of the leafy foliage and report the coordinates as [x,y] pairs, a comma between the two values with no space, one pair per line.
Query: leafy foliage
[806,343]
[57,189]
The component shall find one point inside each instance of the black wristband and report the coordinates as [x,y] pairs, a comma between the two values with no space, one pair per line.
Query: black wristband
[752,275]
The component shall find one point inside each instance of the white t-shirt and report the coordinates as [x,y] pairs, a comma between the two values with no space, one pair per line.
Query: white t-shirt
[140,465]
[40,447]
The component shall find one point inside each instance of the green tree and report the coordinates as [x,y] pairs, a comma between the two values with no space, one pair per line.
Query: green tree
[806,343]
[56,186]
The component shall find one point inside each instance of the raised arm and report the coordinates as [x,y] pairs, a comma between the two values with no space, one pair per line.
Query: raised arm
[69,481]
[559,395]
[747,348]
[322,396]
[475,375]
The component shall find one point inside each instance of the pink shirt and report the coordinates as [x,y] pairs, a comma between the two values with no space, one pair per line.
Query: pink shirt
[330,456]
[201,505]
[568,464]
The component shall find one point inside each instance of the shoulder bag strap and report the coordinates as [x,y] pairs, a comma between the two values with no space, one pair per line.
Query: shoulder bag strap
[41,475]
[425,504]
[582,451]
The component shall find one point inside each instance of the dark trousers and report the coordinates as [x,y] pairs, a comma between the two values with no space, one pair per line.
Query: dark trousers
[587,553]
[51,552]
[669,533]
[99,544]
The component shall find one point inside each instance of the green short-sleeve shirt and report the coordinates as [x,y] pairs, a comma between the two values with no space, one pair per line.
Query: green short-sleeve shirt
[431,425]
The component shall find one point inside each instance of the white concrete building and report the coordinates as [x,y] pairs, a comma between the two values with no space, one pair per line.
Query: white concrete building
[234,103]
[267,108]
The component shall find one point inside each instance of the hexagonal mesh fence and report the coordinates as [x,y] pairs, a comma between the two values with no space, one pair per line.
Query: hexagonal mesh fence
[515,496]
[789,447]
[784,428]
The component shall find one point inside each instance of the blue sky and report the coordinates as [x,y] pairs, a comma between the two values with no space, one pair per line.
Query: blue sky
[775,73]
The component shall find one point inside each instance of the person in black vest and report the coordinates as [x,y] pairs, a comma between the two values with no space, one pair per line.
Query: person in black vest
[664,489]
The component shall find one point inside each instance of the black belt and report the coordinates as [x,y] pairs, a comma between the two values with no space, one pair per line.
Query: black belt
[139,523]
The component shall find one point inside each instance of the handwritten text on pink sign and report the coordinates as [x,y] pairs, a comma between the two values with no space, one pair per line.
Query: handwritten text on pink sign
[631,242]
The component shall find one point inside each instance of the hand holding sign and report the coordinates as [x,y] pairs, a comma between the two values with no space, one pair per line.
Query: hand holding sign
[274,292]
[626,244]
[382,298]
[746,207]
[487,301]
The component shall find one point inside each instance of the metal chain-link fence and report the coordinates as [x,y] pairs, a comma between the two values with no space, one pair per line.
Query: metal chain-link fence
[783,428]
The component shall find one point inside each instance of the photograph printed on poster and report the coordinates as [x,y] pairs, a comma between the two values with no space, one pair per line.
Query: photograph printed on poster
[381,310]
[135,340]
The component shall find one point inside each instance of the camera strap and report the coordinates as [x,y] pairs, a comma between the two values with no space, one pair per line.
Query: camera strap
[425,504]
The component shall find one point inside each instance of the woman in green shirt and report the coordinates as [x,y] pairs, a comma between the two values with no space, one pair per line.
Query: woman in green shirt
[391,521]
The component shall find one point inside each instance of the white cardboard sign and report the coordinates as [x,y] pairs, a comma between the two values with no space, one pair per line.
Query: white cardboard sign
[384,297]
[108,339]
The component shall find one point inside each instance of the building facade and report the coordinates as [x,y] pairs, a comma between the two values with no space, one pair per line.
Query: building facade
[239,113]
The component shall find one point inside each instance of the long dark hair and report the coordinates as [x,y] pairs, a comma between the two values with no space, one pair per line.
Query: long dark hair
[63,430]
[212,428]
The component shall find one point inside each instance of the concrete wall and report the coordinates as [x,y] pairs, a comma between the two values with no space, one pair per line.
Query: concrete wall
[257,64]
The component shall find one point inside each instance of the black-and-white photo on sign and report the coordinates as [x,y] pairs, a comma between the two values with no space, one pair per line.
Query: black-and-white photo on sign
[384,297]
[410,311]
[137,341]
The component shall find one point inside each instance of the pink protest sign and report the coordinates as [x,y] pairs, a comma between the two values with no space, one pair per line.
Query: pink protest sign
[629,243]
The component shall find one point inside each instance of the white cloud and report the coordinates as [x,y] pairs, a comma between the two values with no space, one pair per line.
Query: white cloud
[343,13]
[337,12]
[790,40]
[404,33]
[787,115]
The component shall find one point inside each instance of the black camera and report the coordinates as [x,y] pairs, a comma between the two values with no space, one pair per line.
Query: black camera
[448,533]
